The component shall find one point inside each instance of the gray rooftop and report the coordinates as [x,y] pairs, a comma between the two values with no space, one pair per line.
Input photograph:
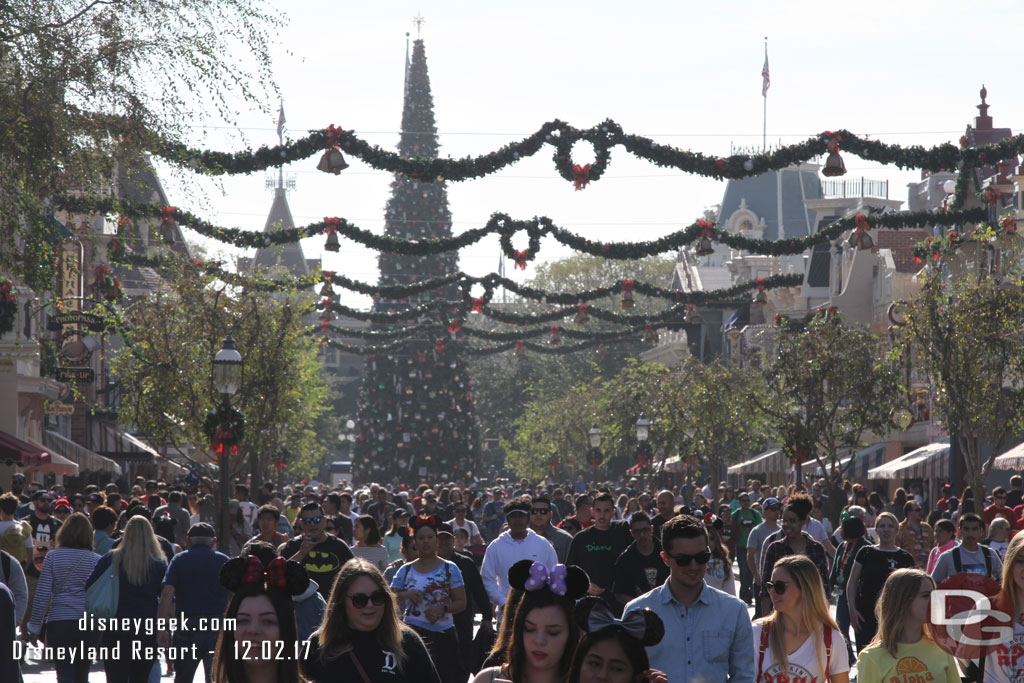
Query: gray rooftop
[777,197]
[289,255]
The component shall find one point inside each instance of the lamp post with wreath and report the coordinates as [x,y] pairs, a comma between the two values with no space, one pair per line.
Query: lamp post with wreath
[225,425]
[643,448]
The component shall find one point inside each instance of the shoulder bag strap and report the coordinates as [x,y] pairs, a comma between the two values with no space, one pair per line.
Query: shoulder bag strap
[764,646]
[987,552]
[957,564]
[359,667]
[55,591]
[828,653]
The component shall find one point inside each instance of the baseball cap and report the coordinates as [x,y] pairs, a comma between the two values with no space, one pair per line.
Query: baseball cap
[61,503]
[445,528]
[770,502]
[18,476]
[201,529]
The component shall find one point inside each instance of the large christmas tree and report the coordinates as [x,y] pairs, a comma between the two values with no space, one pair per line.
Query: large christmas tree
[416,413]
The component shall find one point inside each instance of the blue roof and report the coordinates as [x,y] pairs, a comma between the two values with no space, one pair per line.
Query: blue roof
[762,194]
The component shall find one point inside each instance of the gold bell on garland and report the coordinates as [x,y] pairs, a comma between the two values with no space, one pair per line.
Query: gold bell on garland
[326,290]
[860,237]
[556,335]
[834,165]
[167,232]
[333,243]
[627,294]
[582,316]
[332,162]
[650,334]
[705,247]
[760,296]
[692,316]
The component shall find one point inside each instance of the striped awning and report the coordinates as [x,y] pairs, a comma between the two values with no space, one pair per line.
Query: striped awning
[927,462]
[1012,459]
[49,461]
[865,459]
[769,462]
[86,459]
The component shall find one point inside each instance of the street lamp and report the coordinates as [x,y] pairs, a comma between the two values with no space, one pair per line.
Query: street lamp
[594,435]
[643,449]
[643,429]
[227,379]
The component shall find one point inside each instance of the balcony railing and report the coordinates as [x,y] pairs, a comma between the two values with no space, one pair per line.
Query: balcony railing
[853,188]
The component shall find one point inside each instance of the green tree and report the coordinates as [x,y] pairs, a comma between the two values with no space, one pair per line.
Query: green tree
[829,387]
[510,383]
[86,85]
[966,335]
[164,365]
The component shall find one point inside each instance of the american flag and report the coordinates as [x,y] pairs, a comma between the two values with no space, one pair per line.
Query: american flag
[766,80]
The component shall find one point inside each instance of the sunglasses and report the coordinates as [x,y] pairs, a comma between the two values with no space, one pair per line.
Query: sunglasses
[777,587]
[359,600]
[684,560]
[540,511]
[312,520]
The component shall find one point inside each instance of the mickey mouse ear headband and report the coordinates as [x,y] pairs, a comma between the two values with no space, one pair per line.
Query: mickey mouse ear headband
[570,582]
[712,520]
[592,615]
[280,575]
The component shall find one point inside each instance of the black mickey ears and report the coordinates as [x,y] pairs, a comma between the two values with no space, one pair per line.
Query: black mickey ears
[592,615]
[284,575]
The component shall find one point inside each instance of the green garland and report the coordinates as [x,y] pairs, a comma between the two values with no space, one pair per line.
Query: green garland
[535,229]
[550,349]
[490,283]
[602,137]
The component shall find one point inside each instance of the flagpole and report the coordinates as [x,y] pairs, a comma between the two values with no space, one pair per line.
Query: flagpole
[764,118]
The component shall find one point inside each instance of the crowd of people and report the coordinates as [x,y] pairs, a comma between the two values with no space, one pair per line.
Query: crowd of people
[525,582]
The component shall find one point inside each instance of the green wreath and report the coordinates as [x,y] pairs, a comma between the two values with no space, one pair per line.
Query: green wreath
[224,427]
[8,306]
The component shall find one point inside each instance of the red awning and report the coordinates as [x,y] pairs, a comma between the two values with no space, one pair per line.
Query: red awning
[635,469]
[14,449]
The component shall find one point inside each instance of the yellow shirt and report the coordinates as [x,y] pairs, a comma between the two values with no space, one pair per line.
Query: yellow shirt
[291,513]
[920,662]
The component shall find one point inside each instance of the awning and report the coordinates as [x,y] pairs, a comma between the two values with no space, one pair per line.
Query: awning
[927,462]
[767,462]
[864,460]
[1012,459]
[49,461]
[14,449]
[123,447]
[86,459]
[673,464]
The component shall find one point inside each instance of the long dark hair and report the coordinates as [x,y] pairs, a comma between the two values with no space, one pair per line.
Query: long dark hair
[515,658]
[336,635]
[229,669]
[633,646]
[372,530]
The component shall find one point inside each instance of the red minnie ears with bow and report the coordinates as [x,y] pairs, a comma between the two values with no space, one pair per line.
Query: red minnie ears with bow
[282,575]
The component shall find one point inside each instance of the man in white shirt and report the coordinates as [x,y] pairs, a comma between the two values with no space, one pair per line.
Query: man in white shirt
[969,557]
[518,543]
[249,509]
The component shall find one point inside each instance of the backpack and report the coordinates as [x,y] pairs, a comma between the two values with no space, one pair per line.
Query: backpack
[985,550]
[12,540]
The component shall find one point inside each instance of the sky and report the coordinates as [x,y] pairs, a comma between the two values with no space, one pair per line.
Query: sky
[684,73]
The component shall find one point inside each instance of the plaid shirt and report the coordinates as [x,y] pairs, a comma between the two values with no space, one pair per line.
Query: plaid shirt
[781,548]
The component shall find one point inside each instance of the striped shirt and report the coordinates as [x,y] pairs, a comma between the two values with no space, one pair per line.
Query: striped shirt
[374,554]
[66,582]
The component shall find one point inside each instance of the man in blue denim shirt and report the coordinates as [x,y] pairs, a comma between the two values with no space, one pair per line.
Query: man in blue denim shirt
[708,637]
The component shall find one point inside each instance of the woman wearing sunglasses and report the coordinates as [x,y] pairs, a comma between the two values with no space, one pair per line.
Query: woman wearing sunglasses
[361,639]
[800,640]
[433,590]
[794,541]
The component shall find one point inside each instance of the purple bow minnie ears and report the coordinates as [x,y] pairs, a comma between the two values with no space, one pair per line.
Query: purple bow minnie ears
[541,576]
[569,582]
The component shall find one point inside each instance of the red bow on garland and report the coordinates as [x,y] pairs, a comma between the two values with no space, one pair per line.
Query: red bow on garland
[333,133]
[627,285]
[219,450]
[439,344]
[167,214]
[832,141]
[521,258]
[862,223]
[520,347]
[992,195]
[478,305]
[760,283]
[332,225]
[1009,225]
[706,228]
[272,574]
[581,176]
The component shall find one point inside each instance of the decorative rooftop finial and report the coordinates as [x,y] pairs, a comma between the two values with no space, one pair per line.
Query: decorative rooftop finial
[983,93]
[983,121]
[418,21]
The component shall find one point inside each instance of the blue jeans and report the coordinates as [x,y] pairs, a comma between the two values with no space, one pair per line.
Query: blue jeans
[206,643]
[65,633]
[843,621]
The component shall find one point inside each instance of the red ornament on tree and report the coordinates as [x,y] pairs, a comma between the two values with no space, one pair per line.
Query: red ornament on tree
[581,176]
[627,294]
